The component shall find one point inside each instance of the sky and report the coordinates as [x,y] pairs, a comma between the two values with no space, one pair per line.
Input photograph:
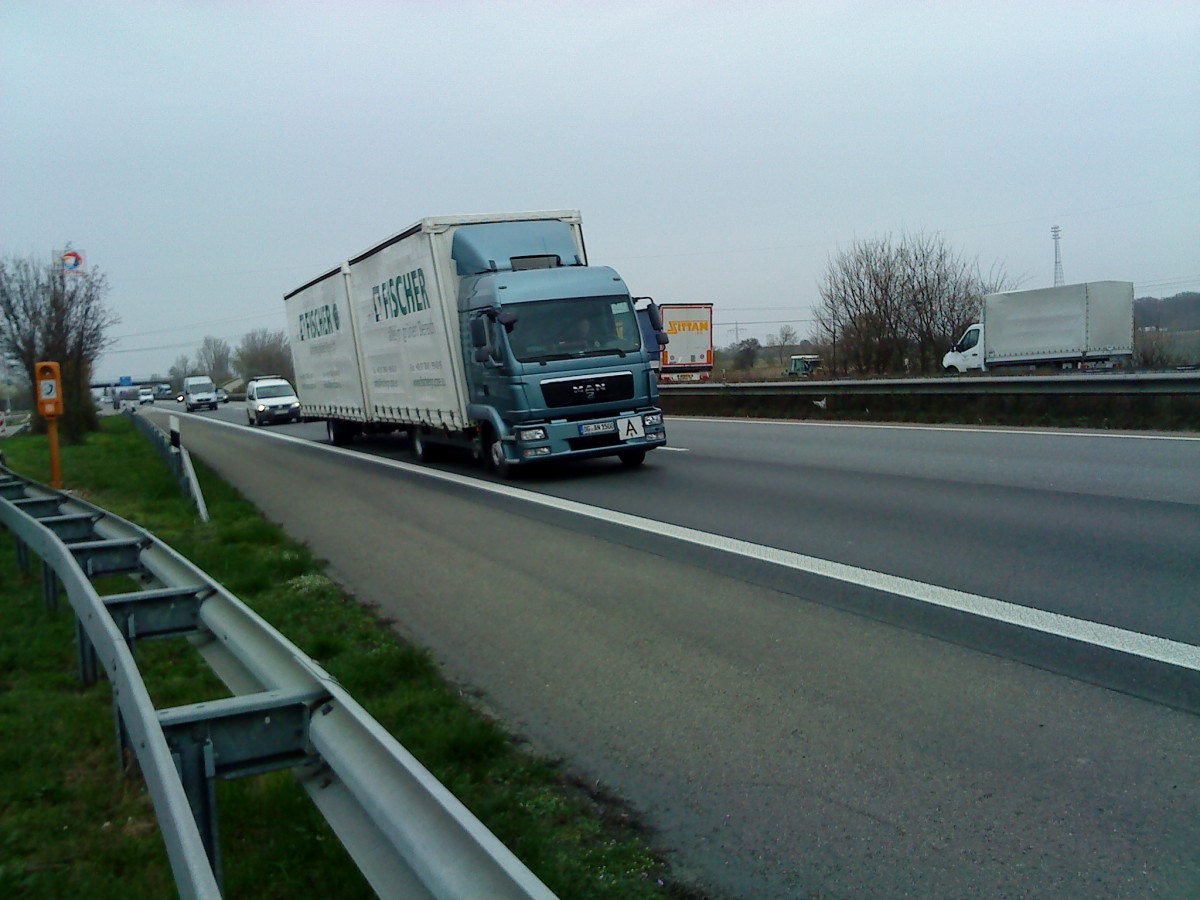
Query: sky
[209,157]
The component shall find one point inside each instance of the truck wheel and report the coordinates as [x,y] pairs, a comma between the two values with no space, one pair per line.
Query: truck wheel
[952,370]
[496,459]
[632,458]
[421,450]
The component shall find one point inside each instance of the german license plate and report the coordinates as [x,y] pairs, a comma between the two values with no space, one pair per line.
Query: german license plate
[598,428]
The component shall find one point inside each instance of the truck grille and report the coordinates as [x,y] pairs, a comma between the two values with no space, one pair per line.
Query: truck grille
[581,391]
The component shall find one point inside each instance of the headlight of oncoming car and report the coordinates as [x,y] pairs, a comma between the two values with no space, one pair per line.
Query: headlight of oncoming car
[531,434]
[652,419]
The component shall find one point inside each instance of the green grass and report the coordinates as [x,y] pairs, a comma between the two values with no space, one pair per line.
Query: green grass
[72,825]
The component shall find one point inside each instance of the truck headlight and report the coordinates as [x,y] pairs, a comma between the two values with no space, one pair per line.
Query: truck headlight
[531,434]
[652,419]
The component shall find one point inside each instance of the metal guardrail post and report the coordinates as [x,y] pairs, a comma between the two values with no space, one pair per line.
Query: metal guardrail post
[22,556]
[195,765]
[89,666]
[231,738]
[50,587]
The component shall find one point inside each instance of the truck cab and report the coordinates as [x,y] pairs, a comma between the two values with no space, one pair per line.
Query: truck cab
[967,352]
[802,365]
[555,359]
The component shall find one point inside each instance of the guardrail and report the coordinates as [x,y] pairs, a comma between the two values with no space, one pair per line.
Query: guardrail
[1129,383]
[409,836]
[1155,400]
[178,460]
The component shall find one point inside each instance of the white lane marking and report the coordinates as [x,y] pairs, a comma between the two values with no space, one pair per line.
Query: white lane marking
[1174,653]
[973,429]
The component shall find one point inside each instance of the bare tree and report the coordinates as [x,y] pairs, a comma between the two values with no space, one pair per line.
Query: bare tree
[181,369]
[263,351]
[47,314]
[893,307]
[862,308]
[213,358]
[785,338]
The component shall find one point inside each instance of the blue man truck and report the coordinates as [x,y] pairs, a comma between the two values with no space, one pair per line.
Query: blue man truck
[488,333]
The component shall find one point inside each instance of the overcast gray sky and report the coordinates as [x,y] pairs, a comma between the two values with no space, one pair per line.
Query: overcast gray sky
[210,157]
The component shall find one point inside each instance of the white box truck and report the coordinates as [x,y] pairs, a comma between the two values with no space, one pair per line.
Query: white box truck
[489,333]
[1085,326]
[689,354]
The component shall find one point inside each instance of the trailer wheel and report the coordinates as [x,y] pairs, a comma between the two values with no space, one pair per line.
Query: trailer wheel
[340,434]
[632,458]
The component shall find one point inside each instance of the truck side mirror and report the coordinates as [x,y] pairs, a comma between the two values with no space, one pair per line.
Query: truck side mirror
[655,317]
[482,354]
[479,337]
[663,340]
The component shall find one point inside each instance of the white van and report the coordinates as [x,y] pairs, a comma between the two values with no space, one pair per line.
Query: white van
[270,398]
[198,391]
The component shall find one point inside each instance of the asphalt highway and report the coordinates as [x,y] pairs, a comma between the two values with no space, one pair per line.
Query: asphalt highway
[814,719]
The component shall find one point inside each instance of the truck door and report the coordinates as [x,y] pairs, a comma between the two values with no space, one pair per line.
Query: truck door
[493,381]
[971,347]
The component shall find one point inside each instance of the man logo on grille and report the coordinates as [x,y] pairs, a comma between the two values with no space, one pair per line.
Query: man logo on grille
[589,390]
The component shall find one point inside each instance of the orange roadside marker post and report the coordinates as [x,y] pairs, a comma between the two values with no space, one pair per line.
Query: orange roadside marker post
[50,405]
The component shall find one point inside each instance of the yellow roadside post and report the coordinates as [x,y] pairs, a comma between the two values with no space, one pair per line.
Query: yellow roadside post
[50,405]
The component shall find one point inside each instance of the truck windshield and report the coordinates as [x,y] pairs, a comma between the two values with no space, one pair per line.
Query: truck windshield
[563,329]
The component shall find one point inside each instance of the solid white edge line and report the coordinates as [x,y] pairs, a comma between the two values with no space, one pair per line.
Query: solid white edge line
[1164,650]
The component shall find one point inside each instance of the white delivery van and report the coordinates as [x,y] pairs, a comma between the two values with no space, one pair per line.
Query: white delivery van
[198,391]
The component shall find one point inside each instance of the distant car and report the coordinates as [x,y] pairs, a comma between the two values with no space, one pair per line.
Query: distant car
[145,395]
[271,399]
[222,395]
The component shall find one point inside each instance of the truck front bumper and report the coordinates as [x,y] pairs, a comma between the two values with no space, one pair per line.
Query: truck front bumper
[582,438]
